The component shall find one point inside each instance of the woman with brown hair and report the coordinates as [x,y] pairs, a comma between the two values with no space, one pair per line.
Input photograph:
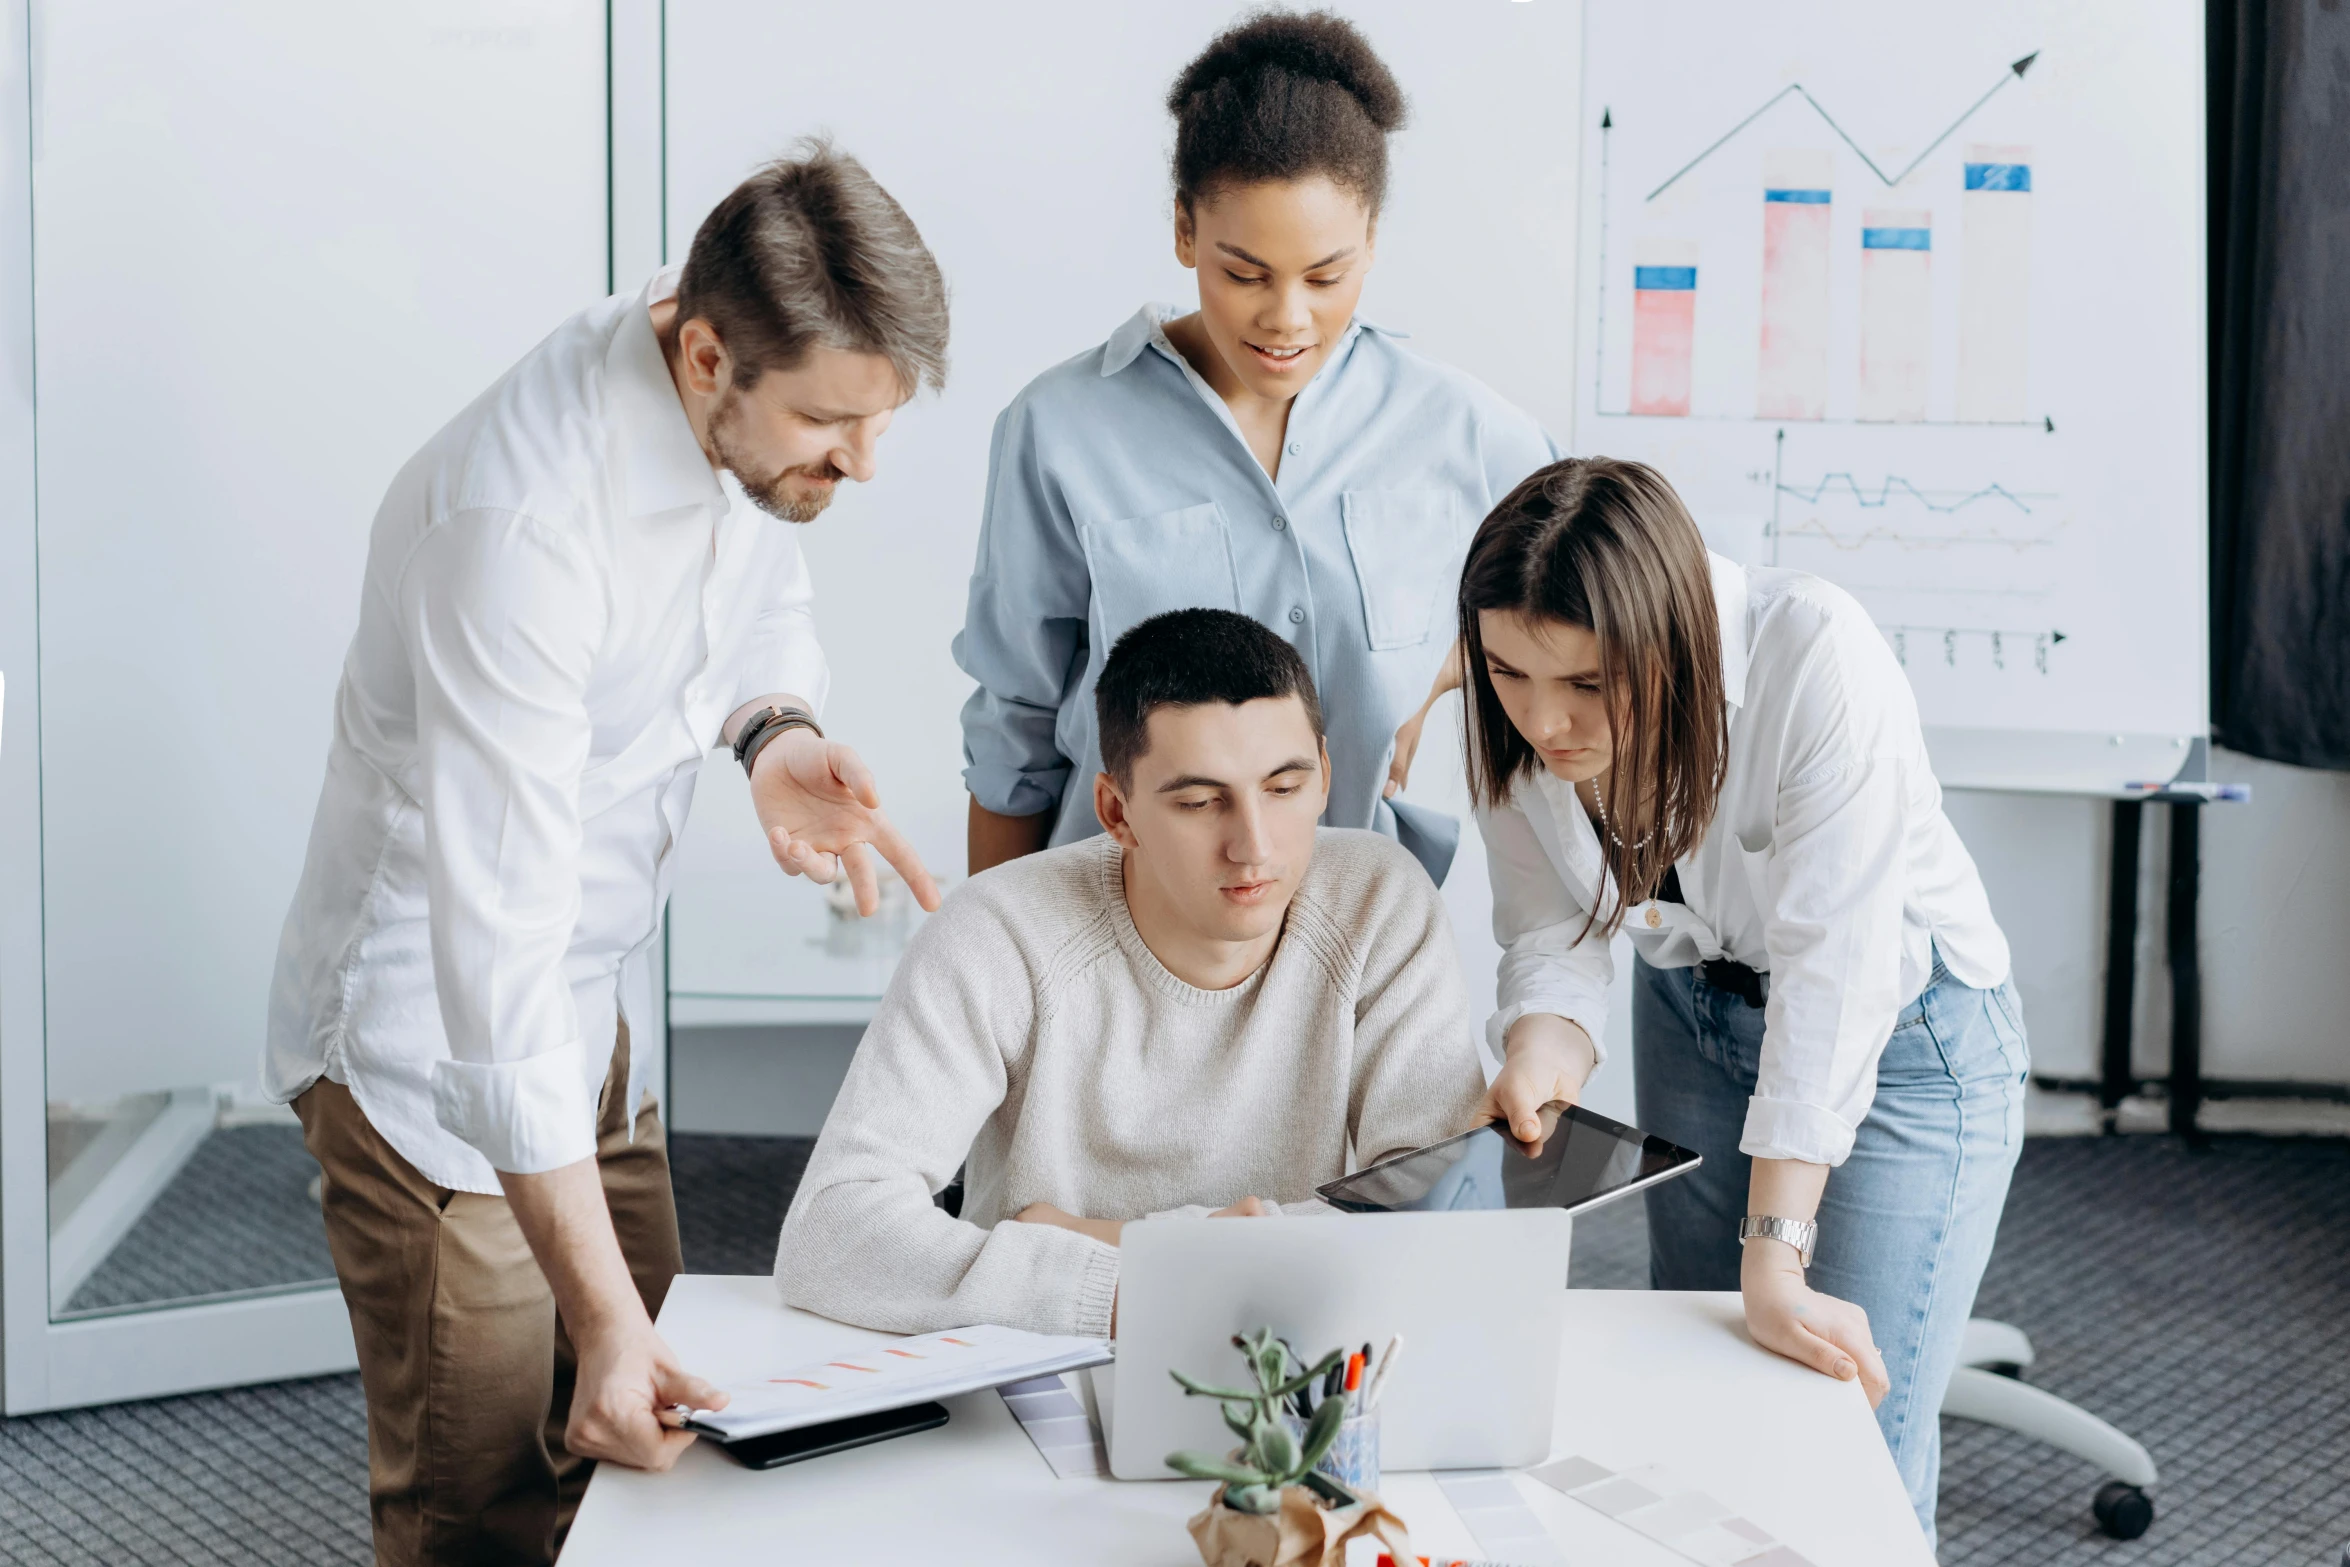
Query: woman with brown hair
[1726,764]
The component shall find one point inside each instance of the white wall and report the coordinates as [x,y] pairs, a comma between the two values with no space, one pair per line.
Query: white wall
[278,244]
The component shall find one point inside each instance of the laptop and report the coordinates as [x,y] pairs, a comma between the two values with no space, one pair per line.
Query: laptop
[1479,1297]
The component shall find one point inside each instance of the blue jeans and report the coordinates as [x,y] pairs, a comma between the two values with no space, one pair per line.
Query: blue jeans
[1908,1220]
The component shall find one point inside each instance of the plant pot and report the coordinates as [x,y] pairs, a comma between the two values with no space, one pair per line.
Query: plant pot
[1305,1532]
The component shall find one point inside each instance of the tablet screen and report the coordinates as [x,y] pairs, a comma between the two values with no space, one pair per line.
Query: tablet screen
[1583,1158]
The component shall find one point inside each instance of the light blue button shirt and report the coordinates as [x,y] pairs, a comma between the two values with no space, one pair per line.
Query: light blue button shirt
[1119,487]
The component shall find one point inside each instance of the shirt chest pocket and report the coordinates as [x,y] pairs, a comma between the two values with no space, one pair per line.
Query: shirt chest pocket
[1406,547]
[1145,566]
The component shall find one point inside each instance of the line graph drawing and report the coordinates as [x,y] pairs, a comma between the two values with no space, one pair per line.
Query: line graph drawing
[2013,73]
[1853,543]
[1961,499]
[1897,491]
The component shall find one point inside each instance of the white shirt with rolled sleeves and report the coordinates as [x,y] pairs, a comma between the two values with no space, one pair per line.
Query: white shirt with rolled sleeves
[1829,865]
[563,603]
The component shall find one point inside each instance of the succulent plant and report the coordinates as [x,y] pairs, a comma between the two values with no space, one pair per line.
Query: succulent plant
[1270,1457]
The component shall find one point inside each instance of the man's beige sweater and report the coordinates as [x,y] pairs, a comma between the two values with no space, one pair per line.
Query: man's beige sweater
[1030,1031]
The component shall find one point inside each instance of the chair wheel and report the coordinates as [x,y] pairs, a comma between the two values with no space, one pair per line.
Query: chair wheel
[2123,1511]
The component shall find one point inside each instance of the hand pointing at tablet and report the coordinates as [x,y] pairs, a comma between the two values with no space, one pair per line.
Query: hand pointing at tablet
[1548,1061]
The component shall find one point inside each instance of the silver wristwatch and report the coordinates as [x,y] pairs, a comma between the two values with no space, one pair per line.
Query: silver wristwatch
[1801,1234]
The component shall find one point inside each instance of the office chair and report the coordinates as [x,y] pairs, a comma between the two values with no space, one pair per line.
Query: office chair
[1988,1386]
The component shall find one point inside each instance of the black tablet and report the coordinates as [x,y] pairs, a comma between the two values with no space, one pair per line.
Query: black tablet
[1582,1159]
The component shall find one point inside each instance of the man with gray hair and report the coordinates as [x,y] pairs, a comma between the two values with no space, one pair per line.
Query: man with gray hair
[570,597]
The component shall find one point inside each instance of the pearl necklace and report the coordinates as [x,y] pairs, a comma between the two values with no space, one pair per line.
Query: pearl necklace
[1599,804]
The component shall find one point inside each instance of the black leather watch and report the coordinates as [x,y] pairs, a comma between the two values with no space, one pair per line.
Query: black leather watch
[765,725]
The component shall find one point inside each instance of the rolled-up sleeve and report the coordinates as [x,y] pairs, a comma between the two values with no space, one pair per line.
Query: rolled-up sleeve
[1836,887]
[1513,446]
[781,655]
[1549,963]
[1024,630]
[504,615]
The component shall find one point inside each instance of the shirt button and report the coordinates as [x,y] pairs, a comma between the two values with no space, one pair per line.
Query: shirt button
[1279,523]
[1296,447]
[1297,616]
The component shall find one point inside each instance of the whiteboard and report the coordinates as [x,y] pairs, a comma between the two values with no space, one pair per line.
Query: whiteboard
[1912,296]
[1030,144]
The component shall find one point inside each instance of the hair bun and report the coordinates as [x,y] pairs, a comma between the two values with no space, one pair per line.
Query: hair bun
[1316,45]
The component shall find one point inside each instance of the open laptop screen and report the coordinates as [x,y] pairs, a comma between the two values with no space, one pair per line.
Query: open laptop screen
[1582,1159]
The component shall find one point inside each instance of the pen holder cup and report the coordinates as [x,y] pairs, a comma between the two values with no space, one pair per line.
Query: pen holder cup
[1353,1459]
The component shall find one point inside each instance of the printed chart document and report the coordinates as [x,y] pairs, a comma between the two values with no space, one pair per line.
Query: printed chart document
[893,1375]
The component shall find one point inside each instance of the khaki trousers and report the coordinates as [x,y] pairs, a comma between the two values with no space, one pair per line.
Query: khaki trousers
[467,1369]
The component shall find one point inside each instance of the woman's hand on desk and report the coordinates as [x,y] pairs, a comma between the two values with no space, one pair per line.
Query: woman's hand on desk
[1788,1316]
[1547,1060]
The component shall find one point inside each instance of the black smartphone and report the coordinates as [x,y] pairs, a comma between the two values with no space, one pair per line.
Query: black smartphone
[835,1436]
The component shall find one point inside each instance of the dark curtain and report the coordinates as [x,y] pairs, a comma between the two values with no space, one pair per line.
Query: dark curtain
[2280,378]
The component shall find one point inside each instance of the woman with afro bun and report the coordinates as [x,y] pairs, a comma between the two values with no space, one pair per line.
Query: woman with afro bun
[1267,451]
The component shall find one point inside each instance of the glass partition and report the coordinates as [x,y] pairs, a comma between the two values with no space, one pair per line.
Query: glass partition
[272,247]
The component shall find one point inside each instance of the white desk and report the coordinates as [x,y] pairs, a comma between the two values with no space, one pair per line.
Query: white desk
[1650,1378]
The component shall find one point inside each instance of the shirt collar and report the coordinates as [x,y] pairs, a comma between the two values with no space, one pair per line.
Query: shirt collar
[661,463]
[1144,328]
[1730,601]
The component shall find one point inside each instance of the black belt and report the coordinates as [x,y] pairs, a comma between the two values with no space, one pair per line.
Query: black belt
[1748,985]
[1751,986]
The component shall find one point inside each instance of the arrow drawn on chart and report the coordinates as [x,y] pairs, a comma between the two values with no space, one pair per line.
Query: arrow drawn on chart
[2012,73]
[1607,123]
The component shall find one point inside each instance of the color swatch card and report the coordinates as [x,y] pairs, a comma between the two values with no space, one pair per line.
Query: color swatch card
[894,1374]
[1055,1419]
[1677,1516]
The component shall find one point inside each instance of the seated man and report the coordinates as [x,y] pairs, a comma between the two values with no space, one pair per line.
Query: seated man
[1213,1003]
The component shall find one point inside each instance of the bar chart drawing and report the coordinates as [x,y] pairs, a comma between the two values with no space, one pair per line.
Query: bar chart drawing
[1664,326]
[1995,285]
[1805,290]
[1917,307]
[1791,381]
[1896,313]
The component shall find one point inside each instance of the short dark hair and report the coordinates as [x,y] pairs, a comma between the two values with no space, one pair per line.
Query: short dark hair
[1282,96]
[811,252]
[1187,658]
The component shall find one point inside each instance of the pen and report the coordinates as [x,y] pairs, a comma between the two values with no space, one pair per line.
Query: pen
[1299,1404]
[1386,1365]
[1354,1373]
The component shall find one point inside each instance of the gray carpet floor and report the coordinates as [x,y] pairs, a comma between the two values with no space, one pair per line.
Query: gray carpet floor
[2198,1298]
[239,1216]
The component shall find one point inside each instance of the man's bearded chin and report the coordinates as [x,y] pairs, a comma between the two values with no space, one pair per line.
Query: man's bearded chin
[788,494]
